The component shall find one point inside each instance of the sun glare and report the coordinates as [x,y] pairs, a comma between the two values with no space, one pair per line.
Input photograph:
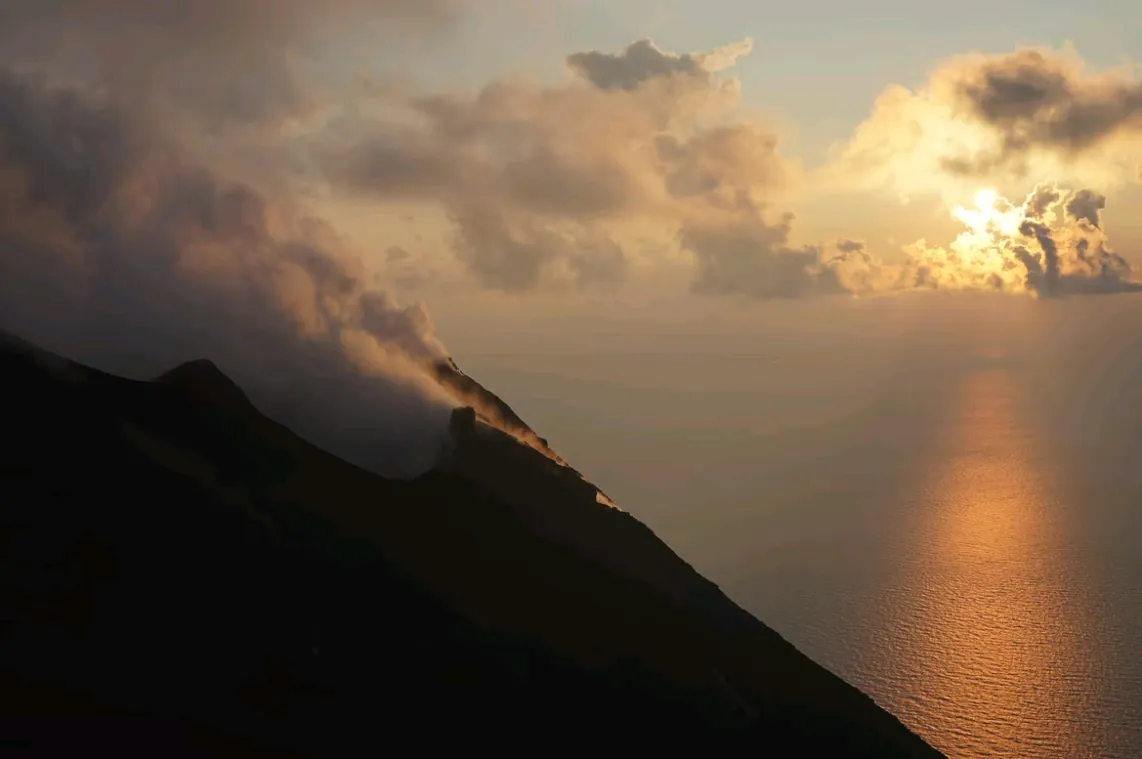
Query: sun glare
[990,215]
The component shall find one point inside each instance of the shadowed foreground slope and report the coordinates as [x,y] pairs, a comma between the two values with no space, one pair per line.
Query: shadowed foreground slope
[203,578]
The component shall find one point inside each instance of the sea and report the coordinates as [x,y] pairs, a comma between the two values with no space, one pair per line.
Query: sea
[938,498]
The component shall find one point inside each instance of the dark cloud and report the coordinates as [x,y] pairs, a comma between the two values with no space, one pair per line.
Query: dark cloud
[642,61]
[213,22]
[547,182]
[1074,257]
[502,144]
[499,259]
[716,163]
[997,118]
[1040,200]
[223,62]
[1087,205]
[1046,280]
[512,257]
[392,163]
[598,260]
[745,255]
[117,250]
[639,62]
[1036,100]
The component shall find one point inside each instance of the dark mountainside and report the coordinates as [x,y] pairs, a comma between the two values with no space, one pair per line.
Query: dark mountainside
[207,583]
[489,407]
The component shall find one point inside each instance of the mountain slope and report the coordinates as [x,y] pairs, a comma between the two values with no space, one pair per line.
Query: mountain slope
[173,554]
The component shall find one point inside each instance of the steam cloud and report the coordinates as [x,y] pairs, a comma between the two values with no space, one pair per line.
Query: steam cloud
[119,248]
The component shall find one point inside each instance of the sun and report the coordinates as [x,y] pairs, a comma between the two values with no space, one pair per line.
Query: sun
[985,199]
[992,215]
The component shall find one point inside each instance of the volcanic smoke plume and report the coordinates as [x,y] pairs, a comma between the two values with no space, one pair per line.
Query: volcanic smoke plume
[122,247]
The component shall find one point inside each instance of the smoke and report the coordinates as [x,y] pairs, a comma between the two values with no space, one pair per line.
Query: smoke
[120,248]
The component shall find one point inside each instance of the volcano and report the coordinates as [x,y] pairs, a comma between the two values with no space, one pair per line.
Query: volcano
[183,575]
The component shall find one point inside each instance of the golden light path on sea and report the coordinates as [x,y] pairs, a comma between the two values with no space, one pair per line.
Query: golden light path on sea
[994,658]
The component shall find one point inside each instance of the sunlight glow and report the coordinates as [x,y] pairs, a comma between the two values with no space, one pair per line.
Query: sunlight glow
[992,214]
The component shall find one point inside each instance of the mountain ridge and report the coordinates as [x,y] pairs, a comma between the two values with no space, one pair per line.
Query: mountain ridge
[505,586]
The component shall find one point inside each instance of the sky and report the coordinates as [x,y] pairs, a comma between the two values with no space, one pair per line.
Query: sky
[817,64]
[812,76]
[361,190]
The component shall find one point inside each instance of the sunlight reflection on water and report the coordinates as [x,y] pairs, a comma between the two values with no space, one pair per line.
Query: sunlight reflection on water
[992,652]
[941,505]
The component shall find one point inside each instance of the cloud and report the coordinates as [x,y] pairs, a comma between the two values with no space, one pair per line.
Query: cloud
[1087,205]
[221,62]
[1034,99]
[642,61]
[1050,245]
[119,248]
[998,118]
[543,182]
[743,254]
[511,257]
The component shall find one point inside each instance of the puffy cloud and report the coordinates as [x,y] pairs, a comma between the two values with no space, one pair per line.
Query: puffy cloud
[1034,99]
[541,181]
[999,118]
[743,254]
[716,165]
[1051,245]
[1040,201]
[642,61]
[512,257]
[1087,205]
[747,256]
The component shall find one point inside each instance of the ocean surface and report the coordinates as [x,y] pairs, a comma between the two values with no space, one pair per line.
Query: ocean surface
[940,502]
